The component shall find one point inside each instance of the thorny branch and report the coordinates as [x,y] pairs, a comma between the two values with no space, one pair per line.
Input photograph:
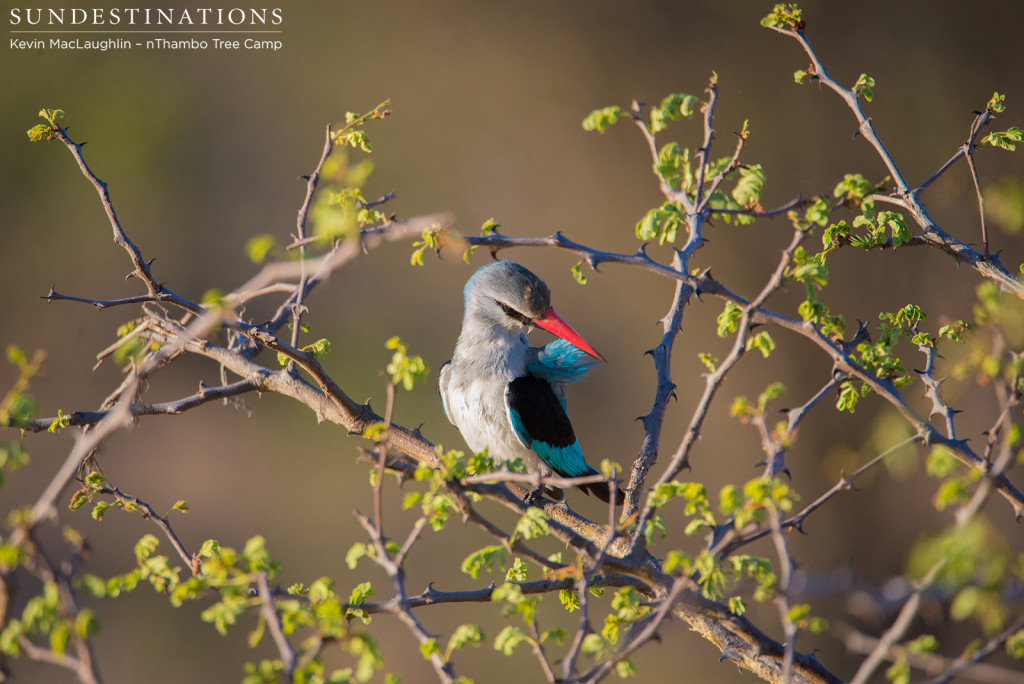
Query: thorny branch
[946,669]
[988,265]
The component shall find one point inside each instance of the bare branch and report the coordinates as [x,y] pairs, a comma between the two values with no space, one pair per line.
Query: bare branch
[160,521]
[167,408]
[268,611]
[898,628]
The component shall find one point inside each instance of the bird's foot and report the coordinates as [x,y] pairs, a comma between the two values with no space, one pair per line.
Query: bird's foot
[535,495]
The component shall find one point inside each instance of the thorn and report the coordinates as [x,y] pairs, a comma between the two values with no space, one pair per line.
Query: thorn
[729,653]
[855,134]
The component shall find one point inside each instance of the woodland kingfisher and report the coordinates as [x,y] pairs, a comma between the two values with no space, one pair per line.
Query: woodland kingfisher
[507,396]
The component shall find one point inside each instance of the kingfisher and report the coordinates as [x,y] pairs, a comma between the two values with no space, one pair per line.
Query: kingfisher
[507,396]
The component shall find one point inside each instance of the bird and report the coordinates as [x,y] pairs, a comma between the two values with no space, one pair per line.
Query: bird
[508,397]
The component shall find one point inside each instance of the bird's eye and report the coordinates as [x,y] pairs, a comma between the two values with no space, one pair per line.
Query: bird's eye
[512,313]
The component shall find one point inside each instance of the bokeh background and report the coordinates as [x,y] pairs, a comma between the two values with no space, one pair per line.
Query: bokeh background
[202,150]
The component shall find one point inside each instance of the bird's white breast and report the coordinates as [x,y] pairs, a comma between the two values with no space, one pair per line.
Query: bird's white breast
[473,389]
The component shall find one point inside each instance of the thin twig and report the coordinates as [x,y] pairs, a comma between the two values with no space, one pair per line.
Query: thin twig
[268,610]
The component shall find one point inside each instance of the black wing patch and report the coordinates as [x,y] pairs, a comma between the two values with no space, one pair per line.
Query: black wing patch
[534,405]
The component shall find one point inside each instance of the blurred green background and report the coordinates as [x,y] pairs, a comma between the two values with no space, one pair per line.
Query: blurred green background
[202,150]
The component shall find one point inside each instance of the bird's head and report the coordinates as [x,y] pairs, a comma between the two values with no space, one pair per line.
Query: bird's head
[504,294]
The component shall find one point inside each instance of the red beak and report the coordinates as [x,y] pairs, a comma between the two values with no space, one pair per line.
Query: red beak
[554,324]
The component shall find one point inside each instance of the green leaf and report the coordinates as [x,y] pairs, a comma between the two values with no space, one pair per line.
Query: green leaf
[60,635]
[464,635]
[93,585]
[763,342]
[40,132]
[99,509]
[356,139]
[405,370]
[772,391]
[817,212]
[673,107]
[1006,140]
[435,237]
[46,131]
[534,523]
[941,462]
[256,636]
[519,572]
[602,119]
[355,552]
[848,397]
[570,600]
[952,492]
[710,362]
[258,246]
[51,115]
[577,273]
[808,269]
[86,623]
[361,592]
[661,223]
[784,16]
[429,648]
[964,603]
[1015,645]
[749,187]
[899,671]
[864,86]
[957,331]
[926,643]
[487,558]
[80,498]
[509,638]
[995,105]
[737,606]
[556,634]
[673,167]
[729,319]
